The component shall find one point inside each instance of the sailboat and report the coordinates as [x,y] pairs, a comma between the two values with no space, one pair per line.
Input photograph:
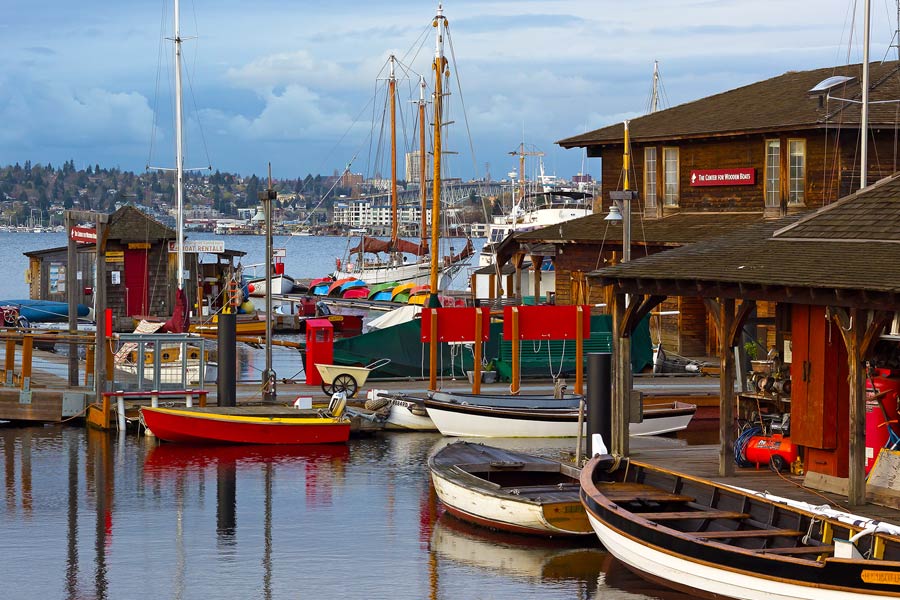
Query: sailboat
[396,264]
[193,368]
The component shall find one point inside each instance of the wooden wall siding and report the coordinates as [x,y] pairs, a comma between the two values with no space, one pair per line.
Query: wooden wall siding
[692,324]
[832,168]
[664,329]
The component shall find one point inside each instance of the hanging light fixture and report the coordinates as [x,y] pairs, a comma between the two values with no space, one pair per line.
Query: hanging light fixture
[614,213]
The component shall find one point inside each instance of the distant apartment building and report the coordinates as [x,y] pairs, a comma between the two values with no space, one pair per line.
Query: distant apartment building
[375,212]
[412,167]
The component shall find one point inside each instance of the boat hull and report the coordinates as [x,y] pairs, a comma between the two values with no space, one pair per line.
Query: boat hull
[198,426]
[470,420]
[401,417]
[281,284]
[756,550]
[508,491]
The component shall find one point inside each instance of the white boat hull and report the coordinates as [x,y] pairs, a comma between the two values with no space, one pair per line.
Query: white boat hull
[459,424]
[281,284]
[502,513]
[401,418]
[659,564]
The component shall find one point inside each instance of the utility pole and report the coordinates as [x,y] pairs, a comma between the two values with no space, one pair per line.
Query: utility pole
[268,376]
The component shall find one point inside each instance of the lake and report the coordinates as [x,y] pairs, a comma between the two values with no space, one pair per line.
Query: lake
[94,515]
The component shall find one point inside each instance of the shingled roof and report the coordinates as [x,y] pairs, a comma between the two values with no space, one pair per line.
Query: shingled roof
[674,230]
[776,104]
[849,249]
[129,224]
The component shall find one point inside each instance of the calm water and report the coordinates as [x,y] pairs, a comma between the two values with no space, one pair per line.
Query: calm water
[91,515]
[307,256]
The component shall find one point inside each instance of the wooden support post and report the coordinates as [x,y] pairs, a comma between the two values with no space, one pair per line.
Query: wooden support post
[726,387]
[516,375]
[71,296]
[10,361]
[517,262]
[853,329]
[579,350]
[88,362]
[492,286]
[103,363]
[476,377]
[27,345]
[104,418]
[536,262]
[433,352]
[622,382]
[202,401]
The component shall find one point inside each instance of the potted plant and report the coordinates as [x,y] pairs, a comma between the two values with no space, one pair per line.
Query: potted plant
[489,374]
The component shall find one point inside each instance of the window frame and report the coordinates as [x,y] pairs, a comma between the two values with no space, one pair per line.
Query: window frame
[676,196]
[796,197]
[650,177]
[772,198]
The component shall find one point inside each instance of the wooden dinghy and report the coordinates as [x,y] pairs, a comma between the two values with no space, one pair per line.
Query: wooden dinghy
[248,425]
[717,541]
[508,490]
[472,415]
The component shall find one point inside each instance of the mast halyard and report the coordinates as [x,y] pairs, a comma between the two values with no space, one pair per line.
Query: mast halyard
[392,91]
[440,64]
[423,232]
[179,155]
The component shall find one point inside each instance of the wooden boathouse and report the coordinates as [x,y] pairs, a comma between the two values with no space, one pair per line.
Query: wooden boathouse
[777,147]
[833,277]
[139,268]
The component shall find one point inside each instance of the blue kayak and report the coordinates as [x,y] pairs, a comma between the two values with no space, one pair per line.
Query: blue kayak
[47,311]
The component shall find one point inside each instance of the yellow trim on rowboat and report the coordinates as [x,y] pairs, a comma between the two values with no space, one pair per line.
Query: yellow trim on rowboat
[245,418]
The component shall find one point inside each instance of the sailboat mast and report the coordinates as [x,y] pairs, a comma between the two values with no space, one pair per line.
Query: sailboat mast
[392,91]
[654,97]
[864,118]
[179,155]
[440,23]
[422,161]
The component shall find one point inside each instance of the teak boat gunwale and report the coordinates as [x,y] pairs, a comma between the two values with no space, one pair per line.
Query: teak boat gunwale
[776,550]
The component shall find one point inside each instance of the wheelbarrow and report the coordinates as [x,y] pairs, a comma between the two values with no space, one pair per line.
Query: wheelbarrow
[343,378]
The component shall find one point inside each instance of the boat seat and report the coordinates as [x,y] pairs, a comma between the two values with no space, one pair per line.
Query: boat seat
[797,550]
[745,533]
[623,493]
[694,514]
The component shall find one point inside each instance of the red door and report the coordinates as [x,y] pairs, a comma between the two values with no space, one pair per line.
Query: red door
[135,280]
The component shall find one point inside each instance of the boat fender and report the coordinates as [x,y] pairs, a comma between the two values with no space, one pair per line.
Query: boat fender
[337,263]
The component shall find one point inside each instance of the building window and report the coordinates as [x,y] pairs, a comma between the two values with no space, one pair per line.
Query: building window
[57,279]
[797,189]
[650,177]
[670,176]
[773,173]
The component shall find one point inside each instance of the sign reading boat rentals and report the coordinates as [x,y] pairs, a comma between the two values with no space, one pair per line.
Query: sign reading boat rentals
[723,177]
[210,246]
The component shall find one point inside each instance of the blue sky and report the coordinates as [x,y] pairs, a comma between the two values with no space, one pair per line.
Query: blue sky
[284,82]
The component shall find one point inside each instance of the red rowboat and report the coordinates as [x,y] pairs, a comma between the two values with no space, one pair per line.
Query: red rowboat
[246,425]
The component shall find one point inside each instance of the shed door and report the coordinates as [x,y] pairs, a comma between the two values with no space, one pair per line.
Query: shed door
[136,282]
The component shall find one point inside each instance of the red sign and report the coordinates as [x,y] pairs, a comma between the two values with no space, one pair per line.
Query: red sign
[83,235]
[723,177]
[456,324]
[546,322]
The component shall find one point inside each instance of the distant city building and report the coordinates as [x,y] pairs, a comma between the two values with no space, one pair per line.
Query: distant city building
[412,167]
[375,212]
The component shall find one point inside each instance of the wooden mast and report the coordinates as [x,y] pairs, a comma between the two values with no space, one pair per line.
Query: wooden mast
[439,65]
[179,156]
[392,90]
[422,162]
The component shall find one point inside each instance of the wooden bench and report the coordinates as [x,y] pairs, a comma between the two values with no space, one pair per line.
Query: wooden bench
[694,514]
[623,493]
[744,533]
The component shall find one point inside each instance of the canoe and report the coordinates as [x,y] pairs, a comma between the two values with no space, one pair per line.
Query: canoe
[419,295]
[401,292]
[503,417]
[716,541]
[509,491]
[335,288]
[237,425]
[355,293]
[404,412]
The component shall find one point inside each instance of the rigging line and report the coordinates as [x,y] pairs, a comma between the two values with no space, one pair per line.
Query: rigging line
[462,102]
[159,62]
[197,115]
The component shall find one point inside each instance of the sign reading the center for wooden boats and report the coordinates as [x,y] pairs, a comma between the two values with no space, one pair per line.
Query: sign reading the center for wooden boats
[705,177]
[211,246]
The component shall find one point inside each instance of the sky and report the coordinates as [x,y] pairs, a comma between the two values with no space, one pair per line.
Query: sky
[293,82]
